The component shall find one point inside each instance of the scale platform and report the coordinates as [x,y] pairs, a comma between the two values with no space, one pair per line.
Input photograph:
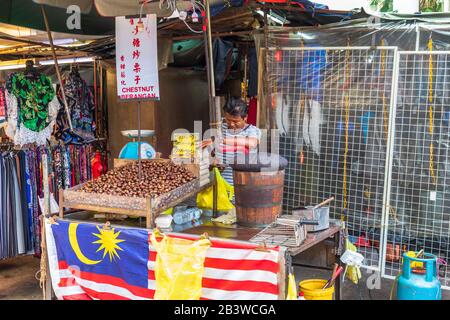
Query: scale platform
[134,133]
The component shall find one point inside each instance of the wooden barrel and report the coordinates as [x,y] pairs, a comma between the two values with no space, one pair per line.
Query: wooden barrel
[258,197]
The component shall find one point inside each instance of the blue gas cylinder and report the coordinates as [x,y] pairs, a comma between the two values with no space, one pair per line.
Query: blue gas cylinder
[413,285]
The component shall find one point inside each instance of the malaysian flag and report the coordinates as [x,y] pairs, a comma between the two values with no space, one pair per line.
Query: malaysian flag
[89,262]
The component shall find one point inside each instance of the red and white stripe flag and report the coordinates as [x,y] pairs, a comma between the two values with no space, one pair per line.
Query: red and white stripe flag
[233,271]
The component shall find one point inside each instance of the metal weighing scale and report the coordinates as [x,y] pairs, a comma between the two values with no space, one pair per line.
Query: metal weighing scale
[131,151]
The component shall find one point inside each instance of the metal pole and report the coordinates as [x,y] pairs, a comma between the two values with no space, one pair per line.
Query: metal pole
[388,167]
[46,207]
[417,37]
[245,89]
[209,62]
[139,141]
[214,102]
[50,39]
[266,80]
[95,96]
[208,67]
[208,28]
[216,35]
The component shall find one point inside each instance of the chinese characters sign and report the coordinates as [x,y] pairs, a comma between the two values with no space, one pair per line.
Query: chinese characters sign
[136,58]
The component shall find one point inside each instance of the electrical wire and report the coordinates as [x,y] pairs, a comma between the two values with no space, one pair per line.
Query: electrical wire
[391,295]
[385,109]
[189,27]
[431,116]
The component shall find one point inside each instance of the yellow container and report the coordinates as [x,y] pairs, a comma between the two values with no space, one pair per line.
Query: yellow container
[312,289]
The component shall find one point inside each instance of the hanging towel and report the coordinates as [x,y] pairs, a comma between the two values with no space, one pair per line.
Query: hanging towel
[314,125]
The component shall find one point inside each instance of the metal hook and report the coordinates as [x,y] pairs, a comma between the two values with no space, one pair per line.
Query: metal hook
[205,236]
[262,247]
[107,226]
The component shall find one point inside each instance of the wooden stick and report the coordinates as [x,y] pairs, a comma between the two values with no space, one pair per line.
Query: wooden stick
[323,203]
[149,219]
[61,204]
[335,276]
[331,278]
[50,39]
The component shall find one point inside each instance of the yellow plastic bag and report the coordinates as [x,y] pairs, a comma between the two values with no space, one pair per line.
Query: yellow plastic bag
[179,267]
[292,288]
[353,272]
[225,192]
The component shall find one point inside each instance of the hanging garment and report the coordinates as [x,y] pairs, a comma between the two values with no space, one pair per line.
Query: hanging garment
[305,127]
[9,207]
[81,105]
[282,113]
[3,238]
[12,228]
[314,125]
[252,111]
[67,169]
[2,107]
[11,115]
[32,108]
[58,168]
[296,124]
[21,160]
[21,176]
[36,196]
[97,165]
[16,200]
[311,125]
[253,73]
[29,199]
[222,59]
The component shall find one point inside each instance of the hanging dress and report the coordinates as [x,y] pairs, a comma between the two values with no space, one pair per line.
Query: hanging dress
[3,117]
[80,101]
[32,108]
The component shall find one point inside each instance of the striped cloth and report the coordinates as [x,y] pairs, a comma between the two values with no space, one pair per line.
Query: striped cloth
[233,271]
[227,154]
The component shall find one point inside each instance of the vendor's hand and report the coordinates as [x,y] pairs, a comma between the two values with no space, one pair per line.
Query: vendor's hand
[206,143]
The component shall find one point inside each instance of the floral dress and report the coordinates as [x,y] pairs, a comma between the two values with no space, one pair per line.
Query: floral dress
[81,105]
[32,108]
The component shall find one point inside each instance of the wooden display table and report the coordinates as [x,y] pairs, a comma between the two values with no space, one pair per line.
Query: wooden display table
[149,207]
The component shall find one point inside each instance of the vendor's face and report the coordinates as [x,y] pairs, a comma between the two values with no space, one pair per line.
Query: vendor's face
[235,122]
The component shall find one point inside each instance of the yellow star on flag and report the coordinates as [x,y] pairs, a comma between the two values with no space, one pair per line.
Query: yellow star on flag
[108,240]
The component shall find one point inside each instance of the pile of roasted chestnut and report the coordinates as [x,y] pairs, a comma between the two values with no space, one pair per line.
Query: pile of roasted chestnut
[157,177]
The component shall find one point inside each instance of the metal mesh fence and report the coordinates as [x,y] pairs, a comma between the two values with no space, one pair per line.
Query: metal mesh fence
[419,214]
[332,108]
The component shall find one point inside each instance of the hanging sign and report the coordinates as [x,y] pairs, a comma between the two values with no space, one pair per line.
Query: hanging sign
[136,58]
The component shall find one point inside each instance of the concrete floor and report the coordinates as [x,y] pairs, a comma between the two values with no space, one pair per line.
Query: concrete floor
[18,282]
[17,279]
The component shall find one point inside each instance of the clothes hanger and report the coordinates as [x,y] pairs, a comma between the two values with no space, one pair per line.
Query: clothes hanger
[30,70]
[74,69]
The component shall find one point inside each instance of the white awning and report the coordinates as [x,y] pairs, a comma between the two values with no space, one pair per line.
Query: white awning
[113,8]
